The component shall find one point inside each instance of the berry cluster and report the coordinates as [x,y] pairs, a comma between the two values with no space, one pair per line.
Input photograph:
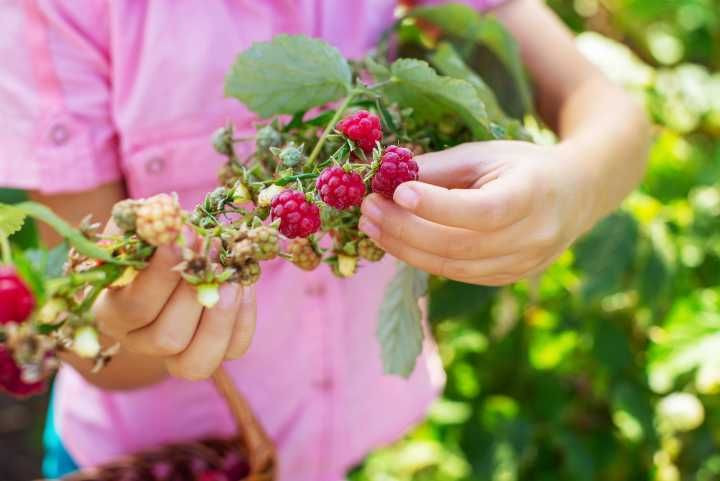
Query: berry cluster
[278,203]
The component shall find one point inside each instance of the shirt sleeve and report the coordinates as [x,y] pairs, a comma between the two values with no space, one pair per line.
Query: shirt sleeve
[56,128]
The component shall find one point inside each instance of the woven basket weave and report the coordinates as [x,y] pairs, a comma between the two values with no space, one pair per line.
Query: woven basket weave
[251,453]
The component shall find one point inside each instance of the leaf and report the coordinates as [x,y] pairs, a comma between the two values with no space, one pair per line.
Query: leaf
[400,330]
[465,22]
[413,83]
[73,236]
[448,62]
[606,254]
[56,260]
[289,74]
[23,262]
[11,219]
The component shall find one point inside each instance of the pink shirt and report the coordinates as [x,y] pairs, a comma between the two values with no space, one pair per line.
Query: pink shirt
[94,91]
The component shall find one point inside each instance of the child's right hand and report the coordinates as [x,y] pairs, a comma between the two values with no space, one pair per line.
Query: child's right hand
[158,315]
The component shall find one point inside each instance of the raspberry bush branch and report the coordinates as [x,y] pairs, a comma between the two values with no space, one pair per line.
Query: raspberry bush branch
[275,203]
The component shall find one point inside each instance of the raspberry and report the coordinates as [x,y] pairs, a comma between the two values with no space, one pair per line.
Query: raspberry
[16,300]
[222,140]
[267,137]
[124,214]
[248,273]
[241,252]
[340,189]
[298,217]
[11,377]
[363,128]
[396,166]
[265,242]
[291,155]
[159,219]
[213,475]
[367,249]
[303,254]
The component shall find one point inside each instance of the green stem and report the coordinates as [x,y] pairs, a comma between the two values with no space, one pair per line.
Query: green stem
[292,178]
[5,248]
[338,113]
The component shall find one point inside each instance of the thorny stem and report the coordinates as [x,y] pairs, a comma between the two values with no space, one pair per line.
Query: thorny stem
[292,178]
[338,113]
[5,248]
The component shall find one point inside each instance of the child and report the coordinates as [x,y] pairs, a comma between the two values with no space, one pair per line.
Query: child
[104,100]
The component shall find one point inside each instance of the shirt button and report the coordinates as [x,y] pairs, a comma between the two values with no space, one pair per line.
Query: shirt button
[59,134]
[155,165]
[325,384]
[315,289]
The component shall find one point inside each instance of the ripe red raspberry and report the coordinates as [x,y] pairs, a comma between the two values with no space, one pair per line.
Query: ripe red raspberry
[298,217]
[11,377]
[213,475]
[396,166]
[363,128]
[16,300]
[340,189]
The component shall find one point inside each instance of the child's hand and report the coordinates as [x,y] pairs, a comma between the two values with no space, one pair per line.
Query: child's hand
[497,212]
[158,315]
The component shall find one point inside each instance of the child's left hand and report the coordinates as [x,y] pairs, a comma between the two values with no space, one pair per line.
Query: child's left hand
[486,213]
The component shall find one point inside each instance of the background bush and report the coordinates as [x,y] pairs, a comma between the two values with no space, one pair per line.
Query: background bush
[574,375]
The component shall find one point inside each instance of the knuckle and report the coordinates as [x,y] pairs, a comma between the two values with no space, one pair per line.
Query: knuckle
[189,370]
[167,344]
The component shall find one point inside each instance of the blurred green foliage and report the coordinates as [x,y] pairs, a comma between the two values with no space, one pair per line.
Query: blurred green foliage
[576,375]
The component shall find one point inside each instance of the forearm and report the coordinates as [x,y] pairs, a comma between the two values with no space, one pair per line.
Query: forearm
[603,132]
[605,135]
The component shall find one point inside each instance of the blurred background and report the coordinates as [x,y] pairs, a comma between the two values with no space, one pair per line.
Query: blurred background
[608,366]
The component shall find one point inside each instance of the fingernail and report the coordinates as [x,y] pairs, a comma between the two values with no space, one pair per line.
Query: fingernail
[369,228]
[228,295]
[406,197]
[372,210]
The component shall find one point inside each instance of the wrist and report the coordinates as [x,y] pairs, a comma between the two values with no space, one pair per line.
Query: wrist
[586,180]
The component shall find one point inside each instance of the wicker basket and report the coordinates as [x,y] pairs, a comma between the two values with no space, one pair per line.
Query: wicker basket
[250,456]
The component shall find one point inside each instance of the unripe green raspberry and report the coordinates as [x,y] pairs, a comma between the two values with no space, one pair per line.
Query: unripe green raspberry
[368,249]
[222,140]
[242,251]
[268,137]
[268,194]
[124,214]
[265,242]
[303,254]
[249,273]
[345,266]
[291,155]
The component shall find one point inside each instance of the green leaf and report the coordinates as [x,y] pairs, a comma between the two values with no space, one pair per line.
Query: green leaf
[606,254]
[415,84]
[30,272]
[73,236]
[448,62]
[288,74]
[400,330]
[56,260]
[465,22]
[11,219]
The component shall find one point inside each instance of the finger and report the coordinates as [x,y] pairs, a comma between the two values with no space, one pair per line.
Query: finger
[483,271]
[494,205]
[212,338]
[122,310]
[393,221]
[173,329]
[244,328]
[456,167]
